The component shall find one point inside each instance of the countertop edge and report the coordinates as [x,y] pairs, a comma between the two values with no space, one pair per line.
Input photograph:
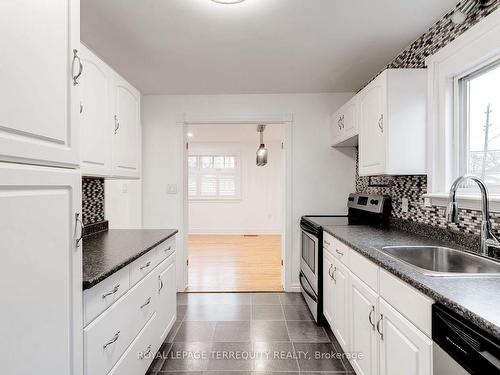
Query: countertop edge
[438,297]
[89,284]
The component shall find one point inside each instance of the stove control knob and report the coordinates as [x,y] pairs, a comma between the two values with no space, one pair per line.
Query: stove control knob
[374,201]
[351,199]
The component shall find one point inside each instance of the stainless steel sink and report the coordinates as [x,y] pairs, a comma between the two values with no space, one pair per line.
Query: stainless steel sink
[443,261]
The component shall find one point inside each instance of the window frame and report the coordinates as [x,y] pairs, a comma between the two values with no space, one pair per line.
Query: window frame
[199,172]
[475,49]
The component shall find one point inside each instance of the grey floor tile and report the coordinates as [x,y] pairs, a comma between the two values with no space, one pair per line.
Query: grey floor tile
[227,356]
[232,332]
[195,331]
[320,357]
[173,331]
[159,359]
[297,312]
[181,311]
[278,356]
[218,313]
[193,356]
[267,312]
[266,299]
[217,298]
[292,299]
[268,331]
[306,332]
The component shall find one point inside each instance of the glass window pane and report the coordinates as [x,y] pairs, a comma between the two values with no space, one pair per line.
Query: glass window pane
[192,185]
[229,162]
[227,186]
[193,162]
[208,185]
[207,162]
[482,122]
[218,162]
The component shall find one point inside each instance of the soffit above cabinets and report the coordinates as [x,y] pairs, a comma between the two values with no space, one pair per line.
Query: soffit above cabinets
[257,46]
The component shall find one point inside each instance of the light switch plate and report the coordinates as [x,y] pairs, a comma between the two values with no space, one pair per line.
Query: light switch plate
[171,189]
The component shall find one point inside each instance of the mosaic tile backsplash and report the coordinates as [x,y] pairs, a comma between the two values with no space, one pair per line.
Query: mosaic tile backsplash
[92,200]
[413,187]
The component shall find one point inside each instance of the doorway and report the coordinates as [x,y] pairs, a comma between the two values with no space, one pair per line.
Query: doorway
[235,209]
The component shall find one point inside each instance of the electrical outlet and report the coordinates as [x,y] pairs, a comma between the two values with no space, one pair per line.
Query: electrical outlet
[427,202]
[404,205]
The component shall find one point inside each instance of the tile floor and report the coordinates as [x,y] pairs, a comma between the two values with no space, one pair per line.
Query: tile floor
[247,333]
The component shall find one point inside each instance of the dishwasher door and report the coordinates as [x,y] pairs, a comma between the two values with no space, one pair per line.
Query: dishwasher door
[444,364]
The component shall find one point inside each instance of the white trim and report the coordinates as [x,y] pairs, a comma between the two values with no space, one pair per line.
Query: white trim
[477,47]
[286,119]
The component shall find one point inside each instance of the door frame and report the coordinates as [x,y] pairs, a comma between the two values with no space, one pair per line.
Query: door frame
[183,121]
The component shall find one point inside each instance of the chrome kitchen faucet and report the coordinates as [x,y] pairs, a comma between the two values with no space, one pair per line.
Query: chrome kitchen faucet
[488,239]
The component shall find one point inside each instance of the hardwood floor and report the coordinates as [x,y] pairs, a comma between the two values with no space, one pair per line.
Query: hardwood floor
[234,263]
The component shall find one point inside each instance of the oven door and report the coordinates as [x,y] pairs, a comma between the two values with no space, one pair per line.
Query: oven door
[309,258]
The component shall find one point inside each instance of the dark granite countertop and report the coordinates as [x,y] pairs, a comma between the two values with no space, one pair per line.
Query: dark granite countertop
[476,299]
[107,252]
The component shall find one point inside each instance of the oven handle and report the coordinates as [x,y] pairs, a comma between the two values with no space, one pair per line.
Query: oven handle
[307,230]
[313,297]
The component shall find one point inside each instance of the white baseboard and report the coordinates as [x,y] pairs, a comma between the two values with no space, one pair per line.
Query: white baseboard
[294,288]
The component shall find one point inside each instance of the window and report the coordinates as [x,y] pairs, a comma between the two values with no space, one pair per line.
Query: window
[213,177]
[479,133]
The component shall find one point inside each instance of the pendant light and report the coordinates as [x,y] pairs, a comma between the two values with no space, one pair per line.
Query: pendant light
[262,150]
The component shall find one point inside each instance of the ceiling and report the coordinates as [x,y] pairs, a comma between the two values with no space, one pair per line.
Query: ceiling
[235,133]
[258,46]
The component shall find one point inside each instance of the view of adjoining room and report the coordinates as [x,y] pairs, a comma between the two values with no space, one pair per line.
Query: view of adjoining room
[235,208]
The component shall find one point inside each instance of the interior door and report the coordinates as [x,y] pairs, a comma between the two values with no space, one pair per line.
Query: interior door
[95,117]
[372,133]
[341,304]
[403,348]
[328,287]
[126,137]
[167,301]
[364,338]
[40,271]
[39,103]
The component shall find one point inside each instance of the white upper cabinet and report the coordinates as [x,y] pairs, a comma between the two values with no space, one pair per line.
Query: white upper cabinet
[39,101]
[344,125]
[110,122]
[95,116]
[41,270]
[127,130]
[392,121]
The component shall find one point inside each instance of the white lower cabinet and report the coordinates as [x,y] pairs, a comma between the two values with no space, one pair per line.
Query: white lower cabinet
[126,336]
[364,337]
[404,349]
[383,338]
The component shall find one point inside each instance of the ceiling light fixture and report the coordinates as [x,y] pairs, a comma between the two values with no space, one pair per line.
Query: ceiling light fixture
[466,8]
[262,150]
[228,2]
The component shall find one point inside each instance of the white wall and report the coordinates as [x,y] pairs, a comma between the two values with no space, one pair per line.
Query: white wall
[259,209]
[322,176]
[123,203]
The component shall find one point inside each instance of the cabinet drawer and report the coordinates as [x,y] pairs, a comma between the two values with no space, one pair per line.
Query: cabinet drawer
[328,241]
[365,269]
[108,336]
[140,353]
[341,251]
[165,249]
[415,306]
[142,266]
[103,295]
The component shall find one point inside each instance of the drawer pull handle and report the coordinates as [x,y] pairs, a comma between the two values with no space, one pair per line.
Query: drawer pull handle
[112,341]
[148,301]
[334,273]
[147,352]
[169,248]
[161,283]
[326,242]
[330,271]
[339,252]
[111,292]
[370,317]
[145,266]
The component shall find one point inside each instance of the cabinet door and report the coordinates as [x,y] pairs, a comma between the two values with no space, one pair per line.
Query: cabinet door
[95,117]
[39,103]
[41,270]
[341,304]
[336,127]
[362,315]
[167,302]
[350,124]
[328,287]
[404,349]
[372,132]
[127,132]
